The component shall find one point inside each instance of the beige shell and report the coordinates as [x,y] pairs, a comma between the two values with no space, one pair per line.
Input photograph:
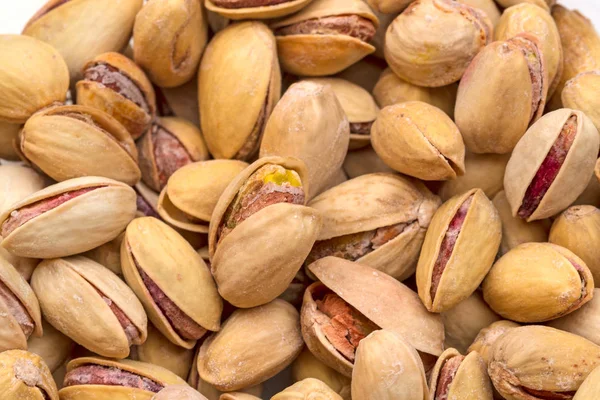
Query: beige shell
[484,342]
[108,254]
[318,55]
[545,4]
[309,123]
[378,200]
[239,83]
[470,258]
[387,368]
[306,365]
[24,375]
[238,396]
[364,161]
[259,12]
[578,94]
[180,101]
[388,6]
[16,183]
[364,73]
[33,75]
[489,7]
[54,347]
[307,389]
[8,135]
[537,282]
[584,322]
[73,141]
[23,265]
[591,194]
[433,41]
[417,139]
[82,29]
[160,251]
[264,340]
[470,380]
[532,150]
[68,288]
[540,358]
[75,226]
[169,40]
[590,388]
[178,392]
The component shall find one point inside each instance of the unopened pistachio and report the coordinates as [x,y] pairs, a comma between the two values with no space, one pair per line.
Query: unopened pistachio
[24,375]
[578,94]
[460,377]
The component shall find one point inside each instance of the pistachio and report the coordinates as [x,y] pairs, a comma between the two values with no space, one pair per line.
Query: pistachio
[306,389]
[53,346]
[460,377]
[308,366]
[16,183]
[295,291]
[180,101]
[238,396]
[178,392]
[364,161]
[420,49]
[584,322]
[254,9]
[388,6]
[325,37]
[484,342]
[552,282]
[24,375]
[8,135]
[590,387]
[578,94]
[108,254]
[591,194]
[545,4]
[459,250]
[163,269]
[146,201]
[489,7]
[115,84]
[549,167]
[365,72]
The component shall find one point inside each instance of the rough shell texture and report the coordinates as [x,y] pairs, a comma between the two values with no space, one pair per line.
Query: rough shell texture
[484,342]
[24,375]
[489,7]
[579,94]
[469,379]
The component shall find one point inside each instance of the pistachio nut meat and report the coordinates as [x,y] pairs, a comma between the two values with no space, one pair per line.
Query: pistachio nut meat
[116,85]
[590,388]
[460,377]
[378,220]
[67,218]
[171,281]
[325,37]
[549,167]
[552,282]
[24,375]
[253,9]
[306,366]
[484,342]
[308,388]
[584,322]
[72,141]
[54,347]
[105,379]
[233,125]
[578,94]
[459,250]
[178,392]
[261,232]
[432,42]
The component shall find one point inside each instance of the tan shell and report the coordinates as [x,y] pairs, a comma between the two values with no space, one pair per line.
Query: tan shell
[373,201]
[545,4]
[16,183]
[258,260]
[417,139]
[306,365]
[238,396]
[540,358]
[8,135]
[387,368]
[537,282]
[178,392]
[23,265]
[78,225]
[390,89]
[261,12]
[318,55]
[234,111]
[578,94]
[307,389]
[590,388]
[484,342]
[54,347]
[73,141]
[24,375]
[531,151]
[584,322]
[471,257]
[180,101]
[469,381]
[160,251]
[169,40]
[420,49]
[309,123]
[264,340]
[364,73]
[33,75]
[108,254]
[489,7]
[364,161]
[388,6]
[591,194]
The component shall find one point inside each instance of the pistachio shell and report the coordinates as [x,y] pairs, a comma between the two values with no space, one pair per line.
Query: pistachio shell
[468,380]
[364,73]
[79,224]
[489,7]
[16,183]
[180,101]
[23,265]
[306,389]
[259,12]
[537,282]
[389,6]
[178,392]
[53,346]
[584,322]
[591,194]
[459,250]
[362,162]
[484,342]
[237,396]
[590,388]
[263,339]
[33,75]
[306,365]
[24,375]
[578,94]
[8,135]
[108,254]
[545,4]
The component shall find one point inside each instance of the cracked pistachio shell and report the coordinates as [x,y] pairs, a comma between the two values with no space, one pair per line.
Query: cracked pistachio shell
[306,365]
[193,191]
[264,340]
[54,347]
[420,49]
[540,358]
[532,150]
[484,342]
[489,7]
[259,258]
[419,140]
[258,12]
[8,135]
[469,381]
[584,322]
[374,201]
[178,392]
[318,55]
[160,375]
[74,226]
[82,29]
[24,375]
[239,83]
[388,368]
[364,161]
[18,182]
[309,123]
[175,267]
[169,39]
[537,282]
[11,334]
[470,257]
[590,388]
[579,94]
[67,289]
[72,141]
[33,75]
[309,388]
[108,254]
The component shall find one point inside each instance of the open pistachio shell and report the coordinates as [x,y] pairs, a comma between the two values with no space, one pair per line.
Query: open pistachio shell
[306,389]
[578,94]
[54,347]
[306,365]
[16,183]
[178,392]
[72,141]
[24,375]
[239,82]
[104,379]
[68,218]
[484,342]
[176,287]
[584,322]
[279,9]
[459,250]
[460,377]
[8,135]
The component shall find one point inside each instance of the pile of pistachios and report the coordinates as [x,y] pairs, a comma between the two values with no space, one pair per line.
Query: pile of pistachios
[300,200]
